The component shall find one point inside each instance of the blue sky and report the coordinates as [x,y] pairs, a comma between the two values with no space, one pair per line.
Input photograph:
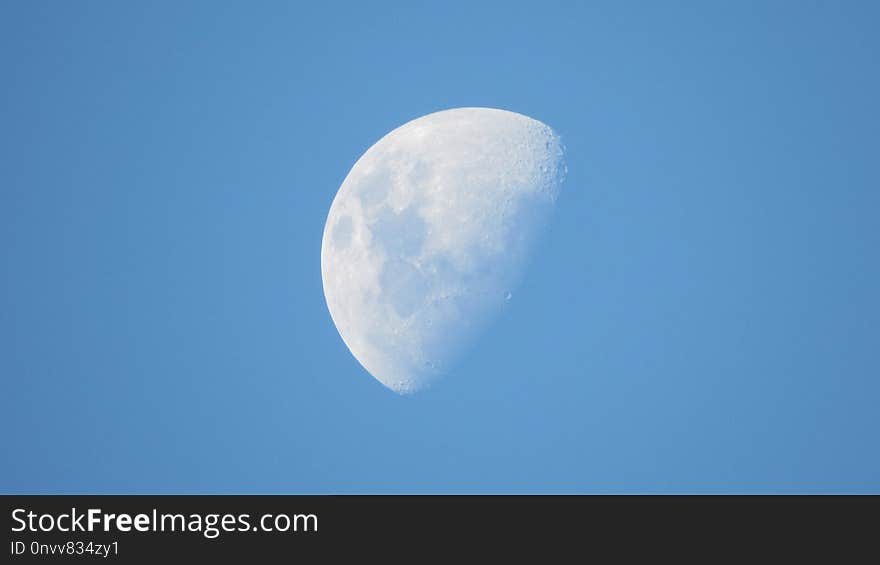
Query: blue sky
[702,315]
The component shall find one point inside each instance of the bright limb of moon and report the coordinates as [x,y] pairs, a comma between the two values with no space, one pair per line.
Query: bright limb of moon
[429,234]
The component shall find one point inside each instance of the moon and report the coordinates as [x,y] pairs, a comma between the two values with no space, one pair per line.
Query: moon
[429,235]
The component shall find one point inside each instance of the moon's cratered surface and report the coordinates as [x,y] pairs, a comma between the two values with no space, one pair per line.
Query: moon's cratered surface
[429,233]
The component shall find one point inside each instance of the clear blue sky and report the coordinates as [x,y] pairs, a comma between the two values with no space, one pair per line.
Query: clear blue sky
[702,317]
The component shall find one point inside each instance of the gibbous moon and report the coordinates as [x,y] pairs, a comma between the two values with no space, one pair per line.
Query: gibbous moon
[429,233]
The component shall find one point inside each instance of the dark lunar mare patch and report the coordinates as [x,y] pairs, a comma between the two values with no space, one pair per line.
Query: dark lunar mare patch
[404,286]
[400,235]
